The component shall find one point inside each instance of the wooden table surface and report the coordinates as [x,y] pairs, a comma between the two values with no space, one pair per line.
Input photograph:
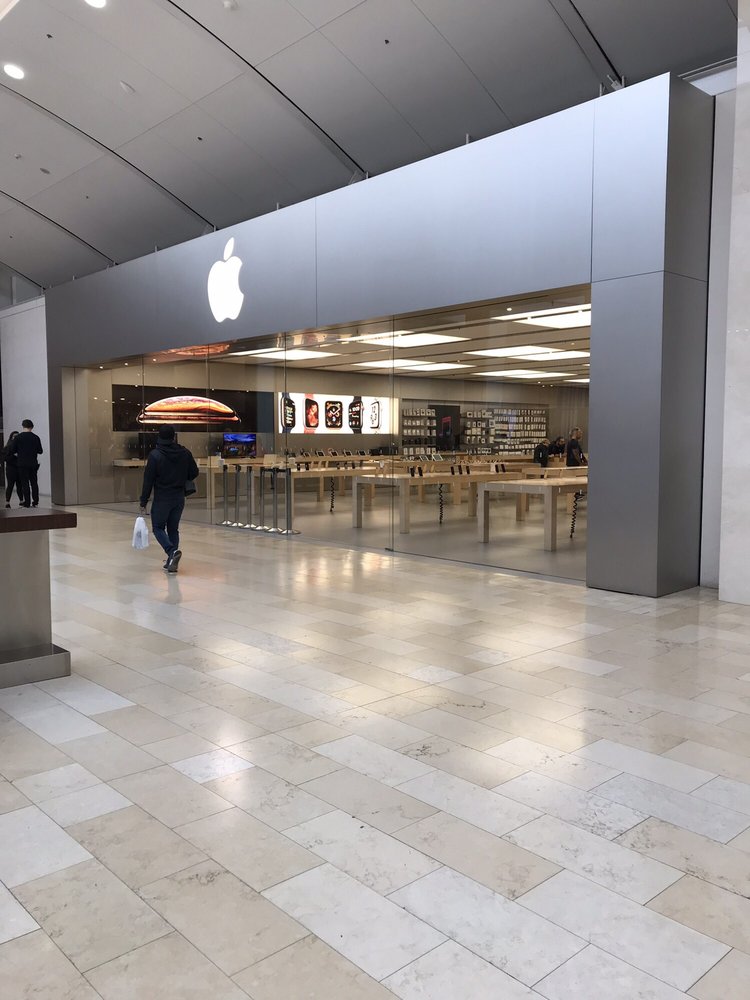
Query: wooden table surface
[39,519]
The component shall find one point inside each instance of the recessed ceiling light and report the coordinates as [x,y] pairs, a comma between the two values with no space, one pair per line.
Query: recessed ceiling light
[512,352]
[526,314]
[439,366]
[581,380]
[563,321]
[13,71]
[389,363]
[96,3]
[279,354]
[405,340]
[555,356]
[523,373]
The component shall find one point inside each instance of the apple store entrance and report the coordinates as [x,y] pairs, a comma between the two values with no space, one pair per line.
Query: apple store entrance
[413,434]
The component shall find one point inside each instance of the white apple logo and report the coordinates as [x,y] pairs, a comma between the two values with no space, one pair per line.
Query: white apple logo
[224,294]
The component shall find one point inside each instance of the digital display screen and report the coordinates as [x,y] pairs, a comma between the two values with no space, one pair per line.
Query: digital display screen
[329,413]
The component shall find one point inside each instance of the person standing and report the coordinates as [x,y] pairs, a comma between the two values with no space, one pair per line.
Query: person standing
[11,470]
[27,448]
[541,453]
[168,470]
[574,452]
[557,448]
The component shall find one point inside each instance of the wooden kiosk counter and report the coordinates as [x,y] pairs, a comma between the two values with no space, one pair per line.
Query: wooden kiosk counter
[27,653]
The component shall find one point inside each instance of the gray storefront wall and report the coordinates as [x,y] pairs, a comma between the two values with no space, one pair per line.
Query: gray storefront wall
[615,192]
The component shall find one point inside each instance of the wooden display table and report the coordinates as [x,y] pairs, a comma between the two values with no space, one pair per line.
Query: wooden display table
[550,489]
[27,653]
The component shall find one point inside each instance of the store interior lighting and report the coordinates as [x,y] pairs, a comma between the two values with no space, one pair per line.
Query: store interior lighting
[411,364]
[279,354]
[405,339]
[523,373]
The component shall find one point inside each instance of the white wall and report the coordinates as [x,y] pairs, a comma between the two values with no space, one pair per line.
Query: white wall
[721,214]
[23,362]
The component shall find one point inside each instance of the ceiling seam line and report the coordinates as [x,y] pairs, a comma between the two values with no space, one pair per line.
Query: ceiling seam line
[308,118]
[463,62]
[577,42]
[595,40]
[57,225]
[108,149]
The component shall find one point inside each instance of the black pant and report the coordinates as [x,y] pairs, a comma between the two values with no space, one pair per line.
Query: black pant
[29,486]
[166,512]
[11,480]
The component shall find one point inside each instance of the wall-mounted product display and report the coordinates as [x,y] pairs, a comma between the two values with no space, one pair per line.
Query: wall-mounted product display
[320,413]
[503,427]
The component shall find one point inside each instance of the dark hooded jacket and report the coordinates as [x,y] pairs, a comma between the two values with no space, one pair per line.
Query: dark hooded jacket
[168,469]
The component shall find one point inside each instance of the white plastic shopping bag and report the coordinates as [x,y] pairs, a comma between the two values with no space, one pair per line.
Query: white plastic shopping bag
[140,534]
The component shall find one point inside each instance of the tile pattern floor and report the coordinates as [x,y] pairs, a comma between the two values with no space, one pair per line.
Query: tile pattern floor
[296,771]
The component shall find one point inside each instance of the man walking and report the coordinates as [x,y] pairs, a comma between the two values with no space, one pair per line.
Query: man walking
[27,448]
[168,470]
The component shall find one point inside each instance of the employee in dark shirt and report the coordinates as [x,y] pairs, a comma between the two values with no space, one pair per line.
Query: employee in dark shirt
[11,470]
[27,448]
[541,453]
[574,452]
[557,447]
[168,470]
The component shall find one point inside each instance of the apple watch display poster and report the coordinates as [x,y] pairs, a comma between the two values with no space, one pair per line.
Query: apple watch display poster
[323,413]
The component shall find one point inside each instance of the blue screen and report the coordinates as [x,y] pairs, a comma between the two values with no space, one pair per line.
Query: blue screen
[239,439]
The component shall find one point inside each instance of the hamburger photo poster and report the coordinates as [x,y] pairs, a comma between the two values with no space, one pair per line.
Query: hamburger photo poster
[143,408]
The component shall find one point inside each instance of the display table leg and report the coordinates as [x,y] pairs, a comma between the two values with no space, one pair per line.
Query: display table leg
[521,506]
[369,494]
[456,491]
[404,495]
[483,513]
[27,654]
[472,499]
[321,487]
[550,520]
[357,489]
[420,492]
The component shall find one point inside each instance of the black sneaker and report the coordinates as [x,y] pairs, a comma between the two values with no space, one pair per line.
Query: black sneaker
[7,506]
[174,561]
[35,505]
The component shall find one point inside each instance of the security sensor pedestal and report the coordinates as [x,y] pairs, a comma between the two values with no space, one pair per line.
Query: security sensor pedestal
[27,653]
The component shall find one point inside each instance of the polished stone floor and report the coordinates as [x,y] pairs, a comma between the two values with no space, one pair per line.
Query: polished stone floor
[296,772]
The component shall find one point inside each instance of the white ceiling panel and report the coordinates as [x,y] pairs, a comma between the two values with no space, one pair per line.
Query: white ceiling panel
[256,29]
[31,142]
[645,37]
[320,12]
[224,156]
[520,50]
[418,71]
[151,33]
[264,122]
[77,75]
[330,88]
[113,208]
[41,251]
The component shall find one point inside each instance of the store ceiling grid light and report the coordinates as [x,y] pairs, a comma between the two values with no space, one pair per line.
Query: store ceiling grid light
[280,354]
[404,339]
[523,373]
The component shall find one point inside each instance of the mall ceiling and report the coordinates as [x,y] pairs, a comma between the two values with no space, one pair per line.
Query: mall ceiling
[143,123]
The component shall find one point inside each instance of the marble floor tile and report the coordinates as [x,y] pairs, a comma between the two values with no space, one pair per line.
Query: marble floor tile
[575,771]
[450,972]
[585,973]
[464,800]
[585,809]
[601,726]
[663,770]
[610,865]
[15,921]
[170,968]
[138,725]
[252,851]
[164,701]
[90,914]
[370,931]
[372,857]
[179,747]
[526,754]
[386,732]
[88,803]
[726,981]
[312,734]
[726,792]
[109,756]
[687,811]
[708,909]
[466,732]
[691,853]
[376,762]
[48,784]
[214,764]
[83,695]
[33,846]
[11,798]
[497,864]
[290,761]
[463,762]
[272,800]
[224,918]
[618,708]
[33,968]
[371,801]
[169,796]
[663,948]
[310,965]
[58,724]
[135,846]
[501,932]
[723,762]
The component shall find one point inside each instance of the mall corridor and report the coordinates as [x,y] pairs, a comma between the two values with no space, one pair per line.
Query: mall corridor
[298,771]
